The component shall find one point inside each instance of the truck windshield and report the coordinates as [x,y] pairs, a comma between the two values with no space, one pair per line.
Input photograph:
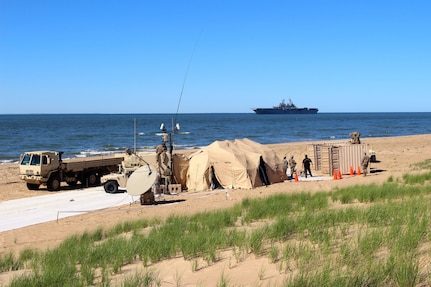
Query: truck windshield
[26,159]
[35,159]
[30,159]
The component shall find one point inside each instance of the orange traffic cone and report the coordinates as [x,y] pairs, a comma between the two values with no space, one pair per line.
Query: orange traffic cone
[339,175]
[351,171]
[335,174]
[359,170]
[296,176]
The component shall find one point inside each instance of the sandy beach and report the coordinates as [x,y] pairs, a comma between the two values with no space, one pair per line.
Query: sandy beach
[395,156]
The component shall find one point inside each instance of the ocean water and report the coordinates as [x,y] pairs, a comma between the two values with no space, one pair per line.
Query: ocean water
[79,135]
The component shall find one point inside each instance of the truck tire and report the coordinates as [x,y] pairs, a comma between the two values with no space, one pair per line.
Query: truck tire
[92,180]
[33,186]
[53,183]
[111,186]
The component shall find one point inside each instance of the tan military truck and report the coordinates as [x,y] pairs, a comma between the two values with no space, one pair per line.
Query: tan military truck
[132,161]
[48,168]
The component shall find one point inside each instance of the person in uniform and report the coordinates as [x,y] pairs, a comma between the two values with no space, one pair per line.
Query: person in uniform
[292,164]
[285,165]
[355,137]
[161,150]
[364,163]
[168,176]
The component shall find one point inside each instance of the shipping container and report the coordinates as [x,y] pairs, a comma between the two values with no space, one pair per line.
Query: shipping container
[343,157]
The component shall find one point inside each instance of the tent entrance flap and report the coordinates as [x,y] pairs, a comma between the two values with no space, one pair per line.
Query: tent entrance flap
[262,172]
[214,183]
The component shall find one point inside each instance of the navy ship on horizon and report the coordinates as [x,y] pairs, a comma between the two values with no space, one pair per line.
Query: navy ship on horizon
[284,108]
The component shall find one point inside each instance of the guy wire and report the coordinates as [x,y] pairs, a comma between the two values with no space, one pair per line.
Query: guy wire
[185,77]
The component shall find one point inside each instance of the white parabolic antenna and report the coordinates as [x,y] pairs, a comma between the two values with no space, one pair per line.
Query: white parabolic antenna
[141,180]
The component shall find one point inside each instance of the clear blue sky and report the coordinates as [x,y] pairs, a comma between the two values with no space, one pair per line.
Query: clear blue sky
[132,56]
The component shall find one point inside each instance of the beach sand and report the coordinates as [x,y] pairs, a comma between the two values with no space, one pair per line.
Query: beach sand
[395,157]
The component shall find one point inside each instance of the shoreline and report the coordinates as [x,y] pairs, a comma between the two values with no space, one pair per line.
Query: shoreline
[12,187]
[148,150]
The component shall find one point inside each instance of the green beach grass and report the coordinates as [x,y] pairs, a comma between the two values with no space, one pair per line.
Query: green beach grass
[365,235]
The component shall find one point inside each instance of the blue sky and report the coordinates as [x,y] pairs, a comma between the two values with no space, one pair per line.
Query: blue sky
[135,56]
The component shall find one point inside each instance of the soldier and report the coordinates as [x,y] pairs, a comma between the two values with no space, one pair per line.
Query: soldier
[364,163]
[285,166]
[355,137]
[292,164]
[161,150]
[168,176]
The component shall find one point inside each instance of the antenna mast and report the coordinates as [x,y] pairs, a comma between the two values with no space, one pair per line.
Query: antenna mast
[134,136]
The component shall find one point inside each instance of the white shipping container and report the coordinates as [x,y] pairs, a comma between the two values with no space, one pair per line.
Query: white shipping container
[341,157]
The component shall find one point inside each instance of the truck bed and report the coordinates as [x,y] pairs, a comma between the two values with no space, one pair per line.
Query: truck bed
[78,164]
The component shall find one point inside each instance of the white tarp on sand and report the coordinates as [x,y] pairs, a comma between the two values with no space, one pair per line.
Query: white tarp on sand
[23,212]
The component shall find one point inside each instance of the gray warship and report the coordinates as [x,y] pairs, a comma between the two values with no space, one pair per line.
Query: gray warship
[284,108]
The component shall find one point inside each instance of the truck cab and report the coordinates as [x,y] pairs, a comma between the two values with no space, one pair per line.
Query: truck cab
[36,166]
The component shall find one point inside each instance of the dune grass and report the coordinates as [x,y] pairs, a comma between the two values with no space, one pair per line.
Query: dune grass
[370,235]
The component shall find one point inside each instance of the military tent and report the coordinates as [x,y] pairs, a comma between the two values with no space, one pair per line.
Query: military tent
[235,164]
[181,165]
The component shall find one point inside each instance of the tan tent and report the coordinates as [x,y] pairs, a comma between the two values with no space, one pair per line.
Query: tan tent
[233,164]
[181,165]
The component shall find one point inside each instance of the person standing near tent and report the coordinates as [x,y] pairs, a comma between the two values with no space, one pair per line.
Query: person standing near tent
[168,176]
[292,163]
[306,164]
[161,156]
[286,166]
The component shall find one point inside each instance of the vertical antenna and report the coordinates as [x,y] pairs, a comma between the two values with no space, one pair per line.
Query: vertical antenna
[134,136]
[185,77]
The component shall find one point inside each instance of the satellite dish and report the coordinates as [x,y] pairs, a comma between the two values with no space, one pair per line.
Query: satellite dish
[141,180]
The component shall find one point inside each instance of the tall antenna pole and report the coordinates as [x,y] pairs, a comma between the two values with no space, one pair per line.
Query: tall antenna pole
[171,144]
[134,136]
[185,78]
[175,126]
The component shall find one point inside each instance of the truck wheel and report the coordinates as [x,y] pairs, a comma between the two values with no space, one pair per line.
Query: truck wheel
[54,184]
[111,186]
[33,186]
[92,179]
